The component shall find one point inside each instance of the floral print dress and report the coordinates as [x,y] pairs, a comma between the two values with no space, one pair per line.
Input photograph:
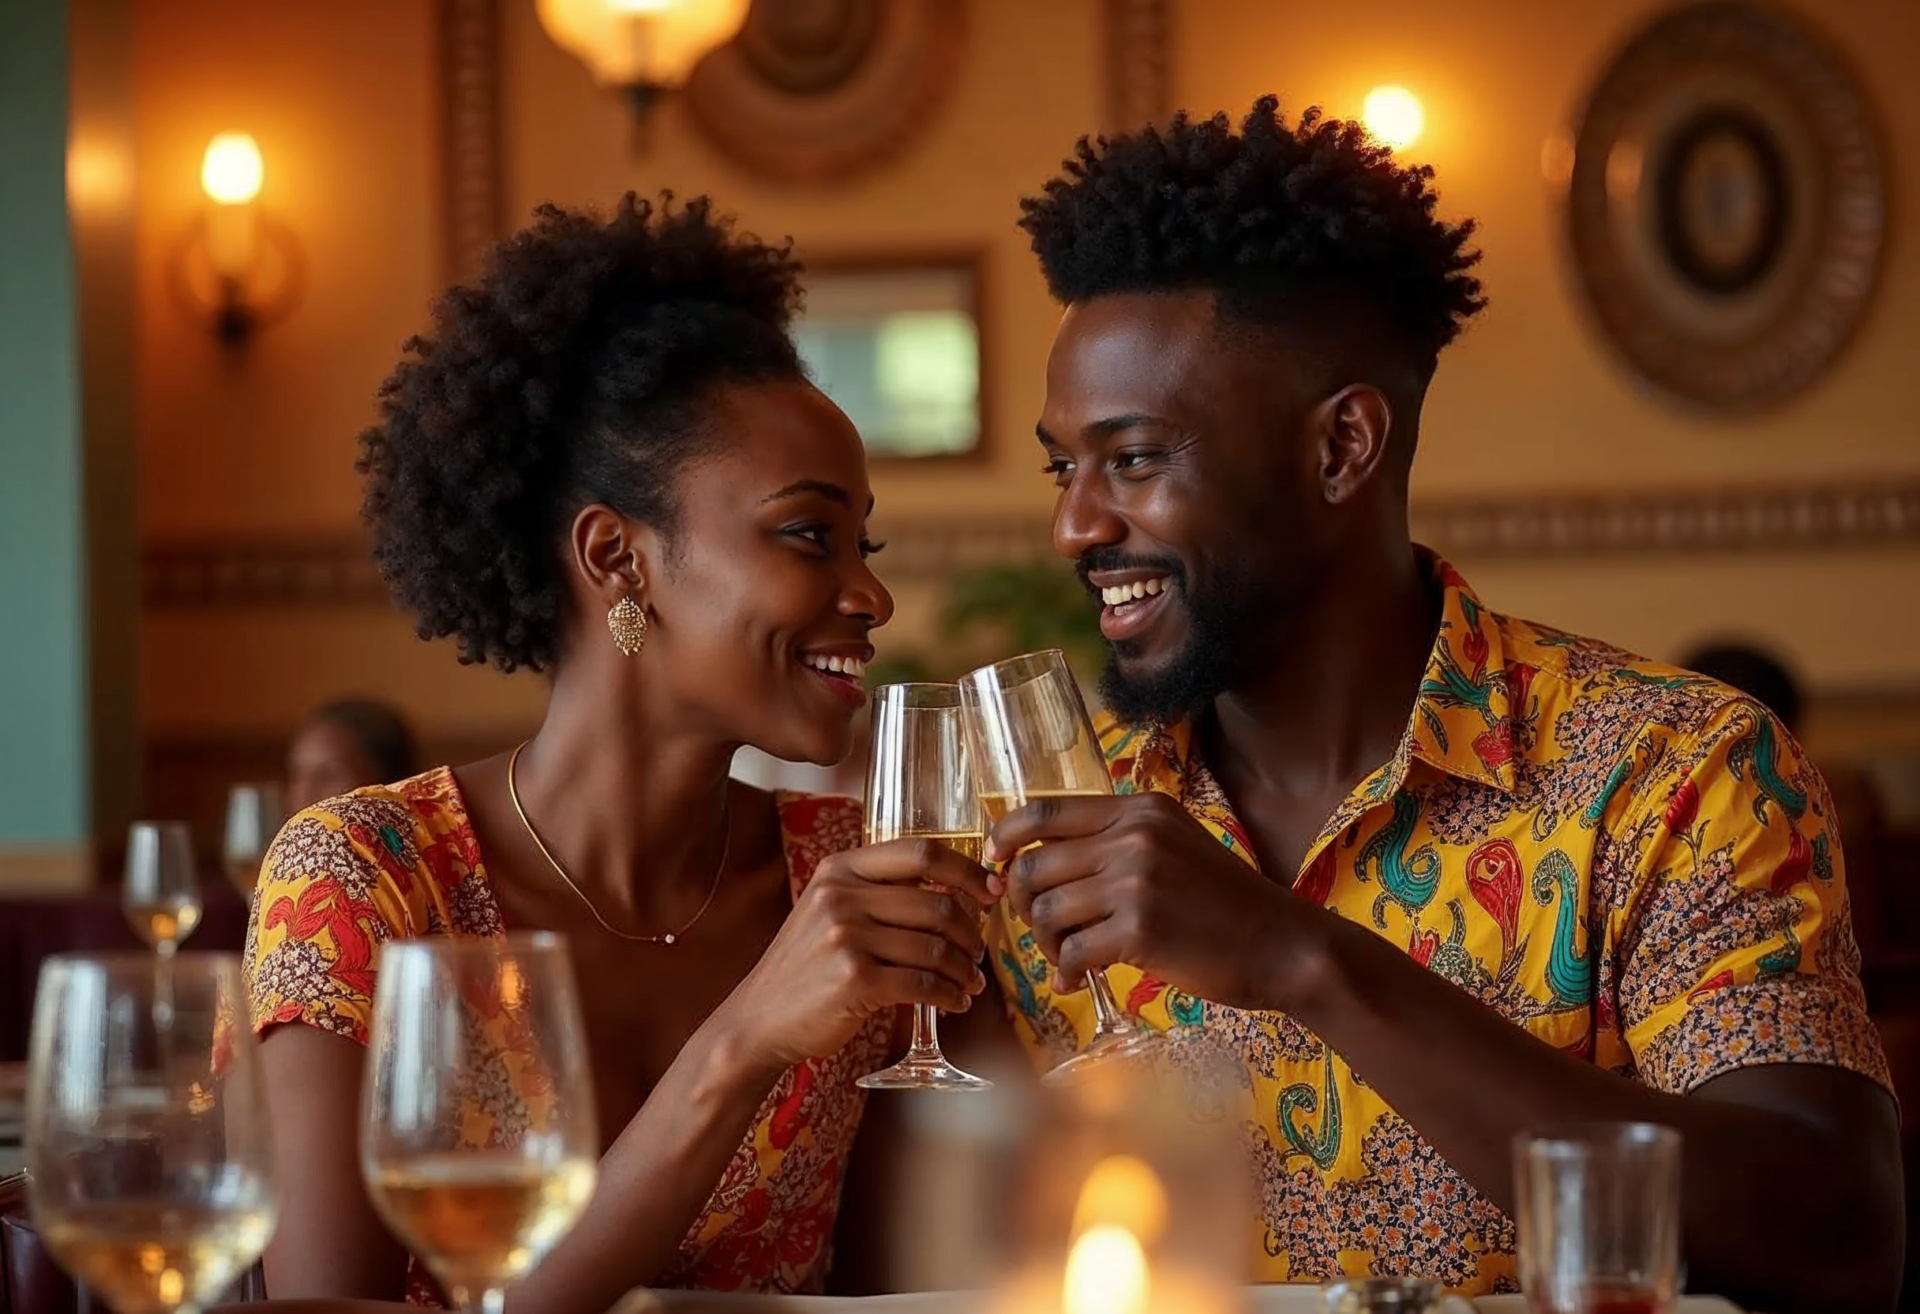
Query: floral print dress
[401,861]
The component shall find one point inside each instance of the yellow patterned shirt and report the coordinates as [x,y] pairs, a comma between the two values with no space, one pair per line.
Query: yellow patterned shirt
[1635,864]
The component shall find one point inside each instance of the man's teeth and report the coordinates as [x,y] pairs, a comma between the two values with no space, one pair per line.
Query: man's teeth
[1140,588]
[848,666]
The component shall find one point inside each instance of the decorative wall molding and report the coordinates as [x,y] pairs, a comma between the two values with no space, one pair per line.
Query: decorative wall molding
[337,571]
[473,188]
[1137,86]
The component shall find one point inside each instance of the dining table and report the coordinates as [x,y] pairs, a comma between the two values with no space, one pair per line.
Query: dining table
[1266,1299]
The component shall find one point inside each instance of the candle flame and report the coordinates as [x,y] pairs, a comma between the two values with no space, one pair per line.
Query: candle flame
[1106,1273]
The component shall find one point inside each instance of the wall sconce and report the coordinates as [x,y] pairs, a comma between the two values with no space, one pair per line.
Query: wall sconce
[641,47]
[237,269]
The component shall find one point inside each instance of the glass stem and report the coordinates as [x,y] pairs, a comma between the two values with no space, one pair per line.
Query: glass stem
[926,1030]
[1108,1019]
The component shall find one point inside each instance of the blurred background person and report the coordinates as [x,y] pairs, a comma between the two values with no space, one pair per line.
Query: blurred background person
[344,746]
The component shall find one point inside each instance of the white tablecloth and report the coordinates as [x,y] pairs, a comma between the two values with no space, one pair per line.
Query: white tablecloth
[1261,1300]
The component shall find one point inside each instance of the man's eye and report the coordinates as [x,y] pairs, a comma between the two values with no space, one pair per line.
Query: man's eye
[1128,460]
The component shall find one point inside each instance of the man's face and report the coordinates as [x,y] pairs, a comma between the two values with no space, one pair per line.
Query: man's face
[1187,478]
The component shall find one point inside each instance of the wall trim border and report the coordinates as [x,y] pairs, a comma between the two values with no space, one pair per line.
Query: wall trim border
[337,571]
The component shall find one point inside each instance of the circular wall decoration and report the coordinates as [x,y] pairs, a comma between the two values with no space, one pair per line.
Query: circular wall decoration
[1727,205]
[817,89]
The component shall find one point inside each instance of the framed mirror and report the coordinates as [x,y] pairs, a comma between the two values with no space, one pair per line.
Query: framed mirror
[896,342]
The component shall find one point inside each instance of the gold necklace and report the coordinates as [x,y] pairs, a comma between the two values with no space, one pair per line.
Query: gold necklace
[671,937]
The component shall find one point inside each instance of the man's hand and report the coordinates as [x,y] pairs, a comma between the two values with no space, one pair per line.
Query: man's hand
[1134,879]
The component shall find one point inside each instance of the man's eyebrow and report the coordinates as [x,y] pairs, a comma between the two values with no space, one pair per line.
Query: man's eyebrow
[1100,430]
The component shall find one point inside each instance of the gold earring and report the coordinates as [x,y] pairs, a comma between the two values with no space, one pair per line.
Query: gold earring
[627,622]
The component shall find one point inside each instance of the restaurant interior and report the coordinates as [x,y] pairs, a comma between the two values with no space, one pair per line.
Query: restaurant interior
[219,221]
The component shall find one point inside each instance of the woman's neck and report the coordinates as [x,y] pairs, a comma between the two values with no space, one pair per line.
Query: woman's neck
[636,811]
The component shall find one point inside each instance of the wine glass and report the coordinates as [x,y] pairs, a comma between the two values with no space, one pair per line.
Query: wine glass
[477,1138]
[1030,737]
[919,783]
[147,1139]
[254,814]
[160,893]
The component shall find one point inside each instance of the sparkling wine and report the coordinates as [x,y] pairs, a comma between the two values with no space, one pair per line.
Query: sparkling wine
[481,1219]
[163,922]
[968,844]
[997,806]
[154,1256]
[243,873]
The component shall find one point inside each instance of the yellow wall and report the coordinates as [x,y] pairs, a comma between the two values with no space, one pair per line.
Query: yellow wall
[261,445]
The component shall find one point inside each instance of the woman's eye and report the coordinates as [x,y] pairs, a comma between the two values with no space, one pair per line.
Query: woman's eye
[868,547]
[814,534]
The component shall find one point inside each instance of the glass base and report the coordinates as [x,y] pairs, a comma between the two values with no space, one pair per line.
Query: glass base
[928,1070]
[1107,1047]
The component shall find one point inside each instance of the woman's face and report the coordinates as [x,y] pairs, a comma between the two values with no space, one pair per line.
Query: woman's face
[763,584]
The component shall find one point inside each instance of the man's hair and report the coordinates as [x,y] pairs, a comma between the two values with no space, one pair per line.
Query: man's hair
[1278,220]
[379,730]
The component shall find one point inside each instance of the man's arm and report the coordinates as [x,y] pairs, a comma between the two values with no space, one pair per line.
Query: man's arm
[1736,987]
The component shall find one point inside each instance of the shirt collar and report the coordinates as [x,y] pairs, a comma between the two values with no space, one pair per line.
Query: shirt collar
[1462,721]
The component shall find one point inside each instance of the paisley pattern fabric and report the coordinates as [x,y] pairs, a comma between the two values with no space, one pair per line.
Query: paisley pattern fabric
[1635,864]
[401,861]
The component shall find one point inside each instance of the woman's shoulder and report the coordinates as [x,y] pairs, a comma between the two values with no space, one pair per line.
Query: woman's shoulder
[814,826]
[380,835]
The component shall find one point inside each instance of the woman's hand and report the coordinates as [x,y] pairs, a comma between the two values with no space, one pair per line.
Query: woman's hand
[866,935]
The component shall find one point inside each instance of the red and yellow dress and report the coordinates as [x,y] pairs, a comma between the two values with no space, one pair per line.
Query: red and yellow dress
[401,861]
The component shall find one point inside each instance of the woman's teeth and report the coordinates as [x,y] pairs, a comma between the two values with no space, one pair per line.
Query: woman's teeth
[851,667]
[1140,588]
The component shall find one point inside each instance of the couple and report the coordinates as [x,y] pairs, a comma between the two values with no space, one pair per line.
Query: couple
[1432,875]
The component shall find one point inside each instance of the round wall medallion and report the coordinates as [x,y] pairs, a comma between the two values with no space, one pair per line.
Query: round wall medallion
[816,89]
[1727,205]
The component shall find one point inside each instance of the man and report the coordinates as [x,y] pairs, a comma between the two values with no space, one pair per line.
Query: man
[1437,876]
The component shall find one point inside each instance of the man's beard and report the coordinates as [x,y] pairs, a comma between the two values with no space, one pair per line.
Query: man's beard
[1225,625]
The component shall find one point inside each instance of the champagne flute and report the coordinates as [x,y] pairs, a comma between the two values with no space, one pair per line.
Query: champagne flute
[254,814]
[477,1137]
[1030,737]
[147,1139]
[160,893]
[919,783]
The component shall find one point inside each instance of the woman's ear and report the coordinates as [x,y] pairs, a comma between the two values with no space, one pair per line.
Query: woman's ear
[609,553]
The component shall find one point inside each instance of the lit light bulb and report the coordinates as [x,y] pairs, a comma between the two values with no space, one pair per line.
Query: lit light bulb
[1393,115]
[232,172]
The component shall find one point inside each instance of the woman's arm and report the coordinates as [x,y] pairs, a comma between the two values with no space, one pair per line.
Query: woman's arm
[329,1242]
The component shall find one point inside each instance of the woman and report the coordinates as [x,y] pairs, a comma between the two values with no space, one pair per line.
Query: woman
[345,745]
[606,463]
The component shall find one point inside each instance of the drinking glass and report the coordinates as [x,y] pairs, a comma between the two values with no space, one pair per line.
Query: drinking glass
[147,1140]
[920,783]
[1599,1219]
[160,893]
[477,1138]
[1030,737]
[254,814]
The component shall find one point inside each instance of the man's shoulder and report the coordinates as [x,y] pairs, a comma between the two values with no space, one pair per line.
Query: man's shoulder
[1570,672]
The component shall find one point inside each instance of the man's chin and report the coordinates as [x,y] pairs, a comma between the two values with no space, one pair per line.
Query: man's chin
[1137,688]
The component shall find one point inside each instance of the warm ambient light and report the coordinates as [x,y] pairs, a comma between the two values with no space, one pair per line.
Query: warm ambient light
[1393,115]
[232,173]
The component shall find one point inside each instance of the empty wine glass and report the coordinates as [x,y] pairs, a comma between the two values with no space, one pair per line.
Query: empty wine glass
[254,814]
[160,893]
[1030,737]
[147,1139]
[477,1140]
[919,783]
